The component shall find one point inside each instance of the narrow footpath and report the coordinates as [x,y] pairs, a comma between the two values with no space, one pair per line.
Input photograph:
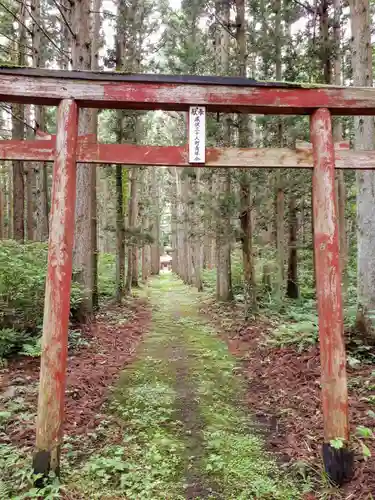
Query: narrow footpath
[186,434]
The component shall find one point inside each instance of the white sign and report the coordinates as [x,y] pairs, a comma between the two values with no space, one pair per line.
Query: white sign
[197,134]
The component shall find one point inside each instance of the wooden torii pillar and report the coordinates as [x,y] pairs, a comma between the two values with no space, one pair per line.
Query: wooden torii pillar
[338,462]
[57,295]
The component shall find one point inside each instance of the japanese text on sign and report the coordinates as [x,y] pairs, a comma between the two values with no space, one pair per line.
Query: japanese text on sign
[197,134]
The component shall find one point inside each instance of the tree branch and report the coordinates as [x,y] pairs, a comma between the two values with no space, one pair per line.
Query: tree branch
[62,52]
[64,18]
[15,41]
[9,51]
[305,6]
[9,111]
[16,18]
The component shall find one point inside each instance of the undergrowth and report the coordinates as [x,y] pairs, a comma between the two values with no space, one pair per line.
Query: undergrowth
[22,283]
[295,321]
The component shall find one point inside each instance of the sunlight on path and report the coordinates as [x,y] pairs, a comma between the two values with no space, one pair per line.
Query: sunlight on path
[185,433]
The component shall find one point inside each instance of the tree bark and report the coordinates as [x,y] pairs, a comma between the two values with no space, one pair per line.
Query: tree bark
[245,197]
[10,201]
[188,278]
[40,191]
[83,255]
[223,241]
[2,205]
[95,46]
[197,229]
[155,247]
[280,195]
[29,179]
[180,227]
[18,132]
[337,136]
[132,274]
[41,187]
[174,222]
[292,290]
[120,235]
[364,140]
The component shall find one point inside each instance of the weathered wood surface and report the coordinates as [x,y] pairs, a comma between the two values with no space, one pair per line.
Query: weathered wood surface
[328,281]
[129,154]
[57,296]
[108,90]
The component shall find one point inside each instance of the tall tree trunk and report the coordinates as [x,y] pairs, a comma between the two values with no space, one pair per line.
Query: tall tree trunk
[83,255]
[182,259]
[10,200]
[40,191]
[29,179]
[41,187]
[188,278]
[144,214]
[292,284]
[364,140]
[337,135]
[95,46]
[132,274]
[197,229]
[223,247]
[120,235]
[2,204]
[155,247]
[18,131]
[245,197]
[279,195]
[209,261]
[146,255]
[40,169]
[174,223]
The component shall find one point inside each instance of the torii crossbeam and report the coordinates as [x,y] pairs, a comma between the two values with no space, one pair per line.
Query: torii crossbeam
[73,90]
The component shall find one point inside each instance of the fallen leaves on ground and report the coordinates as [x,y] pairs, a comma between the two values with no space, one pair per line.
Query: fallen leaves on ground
[91,371]
[284,394]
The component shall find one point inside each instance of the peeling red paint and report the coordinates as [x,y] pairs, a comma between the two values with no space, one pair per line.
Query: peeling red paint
[328,280]
[59,271]
[177,156]
[49,90]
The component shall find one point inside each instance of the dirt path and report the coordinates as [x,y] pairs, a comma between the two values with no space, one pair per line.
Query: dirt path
[185,433]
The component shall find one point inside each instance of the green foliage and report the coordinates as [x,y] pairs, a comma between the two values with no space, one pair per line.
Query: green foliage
[301,334]
[17,479]
[11,341]
[106,274]
[22,284]
[337,443]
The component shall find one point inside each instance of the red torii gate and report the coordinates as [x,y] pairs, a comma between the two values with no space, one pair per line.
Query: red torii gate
[72,90]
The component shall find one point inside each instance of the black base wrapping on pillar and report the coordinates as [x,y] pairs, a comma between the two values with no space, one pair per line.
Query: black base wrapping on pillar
[338,464]
[42,467]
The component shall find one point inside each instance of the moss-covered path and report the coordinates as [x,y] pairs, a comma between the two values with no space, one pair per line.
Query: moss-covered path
[185,432]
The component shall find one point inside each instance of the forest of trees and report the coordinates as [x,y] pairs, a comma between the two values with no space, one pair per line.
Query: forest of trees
[246,233]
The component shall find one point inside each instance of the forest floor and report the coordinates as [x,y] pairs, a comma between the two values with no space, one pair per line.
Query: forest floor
[176,416]
[283,392]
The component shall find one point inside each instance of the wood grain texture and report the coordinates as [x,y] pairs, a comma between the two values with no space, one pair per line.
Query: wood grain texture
[172,156]
[57,297]
[328,281]
[130,92]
